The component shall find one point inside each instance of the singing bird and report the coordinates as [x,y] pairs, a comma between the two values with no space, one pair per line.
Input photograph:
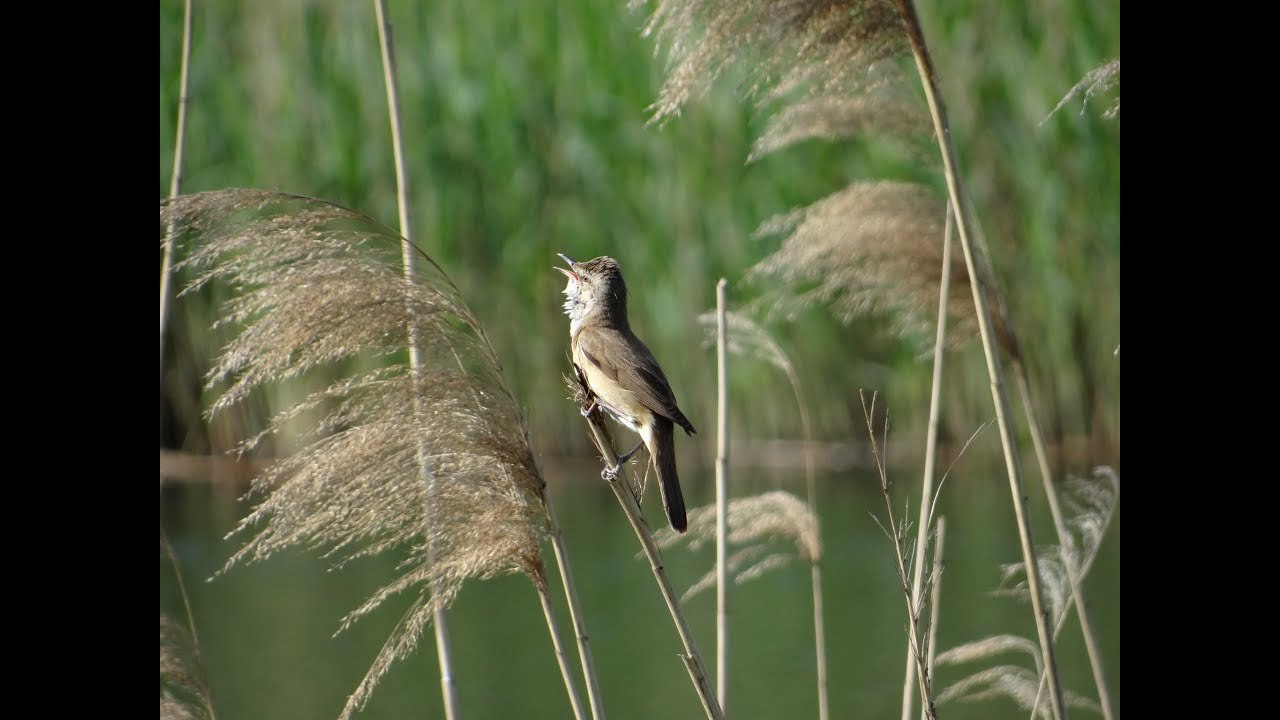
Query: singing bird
[620,374]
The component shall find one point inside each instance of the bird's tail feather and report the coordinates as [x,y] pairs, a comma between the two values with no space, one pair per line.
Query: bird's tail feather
[664,461]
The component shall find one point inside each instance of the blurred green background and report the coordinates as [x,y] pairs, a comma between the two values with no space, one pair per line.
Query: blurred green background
[526,136]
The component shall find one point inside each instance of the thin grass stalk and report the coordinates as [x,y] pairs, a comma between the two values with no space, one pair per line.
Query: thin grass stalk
[440,623]
[1064,539]
[935,598]
[175,180]
[913,613]
[942,130]
[191,620]
[575,611]
[722,502]
[930,458]
[815,569]
[621,489]
[819,640]
[548,612]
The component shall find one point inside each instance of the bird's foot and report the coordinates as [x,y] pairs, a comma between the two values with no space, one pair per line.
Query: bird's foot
[586,411]
[610,472]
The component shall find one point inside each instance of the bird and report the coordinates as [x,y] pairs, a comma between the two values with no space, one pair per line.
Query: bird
[621,375]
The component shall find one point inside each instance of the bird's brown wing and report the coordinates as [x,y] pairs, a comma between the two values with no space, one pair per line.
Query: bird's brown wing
[638,372]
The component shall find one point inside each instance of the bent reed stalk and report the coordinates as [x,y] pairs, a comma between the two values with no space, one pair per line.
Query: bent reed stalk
[621,489]
[979,284]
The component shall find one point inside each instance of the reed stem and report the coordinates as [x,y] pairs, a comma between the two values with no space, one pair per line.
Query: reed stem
[691,657]
[942,130]
[930,459]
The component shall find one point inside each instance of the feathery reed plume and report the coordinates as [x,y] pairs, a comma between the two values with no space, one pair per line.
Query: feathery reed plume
[319,283]
[896,533]
[1064,566]
[748,339]
[183,693]
[624,491]
[1092,503]
[1097,80]
[873,247]
[1011,681]
[756,525]
[809,44]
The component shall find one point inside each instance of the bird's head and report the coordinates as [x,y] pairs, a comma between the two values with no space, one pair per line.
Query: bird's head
[595,292]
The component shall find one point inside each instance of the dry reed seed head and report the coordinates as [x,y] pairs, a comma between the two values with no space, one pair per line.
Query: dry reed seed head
[745,338]
[989,647]
[1091,504]
[1097,81]
[874,247]
[775,515]
[1015,683]
[183,695]
[885,114]
[826,46]
[434,459]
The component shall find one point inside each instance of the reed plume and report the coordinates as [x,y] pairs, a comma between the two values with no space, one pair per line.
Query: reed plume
[435,462]
[1062,568]
[756,525]
[1095,82]
[873,247]
[183,692]
[804,46]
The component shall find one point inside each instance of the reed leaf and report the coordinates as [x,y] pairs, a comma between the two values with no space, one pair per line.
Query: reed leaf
[435,464]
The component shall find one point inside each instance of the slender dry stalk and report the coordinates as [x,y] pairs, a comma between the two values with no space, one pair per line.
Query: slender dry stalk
[722,503]
[896,537]
[747,339]
[562,660]
[440,621]
[175,180]
[622,489]
[585,657]
[1096,81]
[318,284]
[930,458]
[942,130]
[935,597]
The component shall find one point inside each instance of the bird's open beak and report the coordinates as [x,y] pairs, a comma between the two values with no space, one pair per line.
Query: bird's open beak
[567,273]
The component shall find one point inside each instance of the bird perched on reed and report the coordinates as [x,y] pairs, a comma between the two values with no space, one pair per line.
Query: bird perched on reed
[621,375]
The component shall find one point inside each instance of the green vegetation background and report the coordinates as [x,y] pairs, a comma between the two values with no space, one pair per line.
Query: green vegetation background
[526,136]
